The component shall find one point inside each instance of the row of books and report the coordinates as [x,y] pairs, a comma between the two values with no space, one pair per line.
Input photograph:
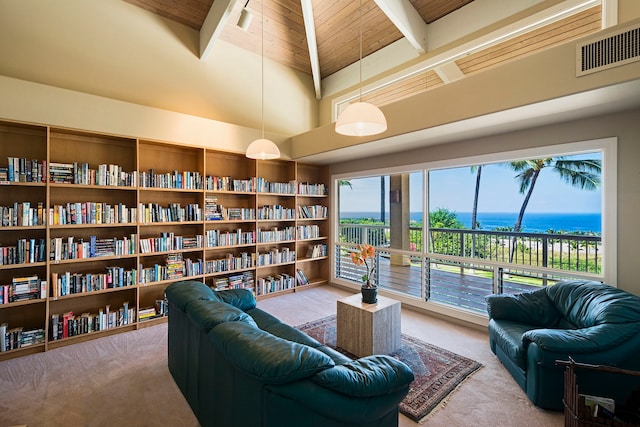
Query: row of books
[275,256]
[226,183]
[238,214]
[186,180]
[160,309]
[26,251]
[264,186]
[23,289]
[64,248]
[242,280]
[23,214]
[13,338]
[68,283]
[174,212]
[170,242]
[275,235]
[217,238]
[312,189]
[278,282]
[275,212]
[68,324]
[91,213]
[301,277]
[81,173]
[175,267]
[314,211]
[230,262]
[307,231]
[20,169]
[317,251]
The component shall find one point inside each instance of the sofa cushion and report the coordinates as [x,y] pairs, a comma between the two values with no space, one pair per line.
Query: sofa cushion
[182,293]
[366,377]
[241,298]
[589,303]
[265,357]
[263,319]
[208,314]
[290,333]
[533,308]
[508,336]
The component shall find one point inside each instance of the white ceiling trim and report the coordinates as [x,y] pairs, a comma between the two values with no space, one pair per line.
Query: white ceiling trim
[213,25]
[312,44]
[408,21]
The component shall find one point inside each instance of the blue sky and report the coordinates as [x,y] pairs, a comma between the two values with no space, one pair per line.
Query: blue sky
[453,189]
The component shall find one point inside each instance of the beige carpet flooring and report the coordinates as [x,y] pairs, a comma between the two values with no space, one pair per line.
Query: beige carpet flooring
[123,379]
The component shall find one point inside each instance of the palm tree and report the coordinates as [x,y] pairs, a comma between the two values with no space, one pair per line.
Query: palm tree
[474,212]
[583,174]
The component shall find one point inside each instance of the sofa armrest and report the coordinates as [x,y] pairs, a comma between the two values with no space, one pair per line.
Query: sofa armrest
[366,377]
[533,308]
[579,341]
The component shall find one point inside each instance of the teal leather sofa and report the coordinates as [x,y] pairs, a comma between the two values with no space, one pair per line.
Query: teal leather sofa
[588,321]
[239,366]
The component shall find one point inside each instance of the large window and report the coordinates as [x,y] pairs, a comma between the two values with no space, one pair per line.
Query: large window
[453,232]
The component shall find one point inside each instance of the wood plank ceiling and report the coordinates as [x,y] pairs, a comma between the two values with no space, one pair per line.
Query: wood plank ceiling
[337,33]
[336,24]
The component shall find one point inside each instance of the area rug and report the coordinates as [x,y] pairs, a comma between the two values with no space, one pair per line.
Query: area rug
[438,372]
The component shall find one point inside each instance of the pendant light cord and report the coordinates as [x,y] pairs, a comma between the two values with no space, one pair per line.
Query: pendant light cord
[360,97]
[262,65]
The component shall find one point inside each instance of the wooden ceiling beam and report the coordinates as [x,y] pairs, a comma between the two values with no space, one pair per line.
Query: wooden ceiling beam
[408,21]
[213,24]
[310,30]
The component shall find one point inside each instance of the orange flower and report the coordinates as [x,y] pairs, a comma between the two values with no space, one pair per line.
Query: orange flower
[363,255]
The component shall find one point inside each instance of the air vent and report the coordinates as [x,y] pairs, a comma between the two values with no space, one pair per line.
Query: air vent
[621,48]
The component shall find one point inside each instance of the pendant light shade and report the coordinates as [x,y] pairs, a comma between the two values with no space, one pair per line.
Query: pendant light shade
[263,149]
[361,119]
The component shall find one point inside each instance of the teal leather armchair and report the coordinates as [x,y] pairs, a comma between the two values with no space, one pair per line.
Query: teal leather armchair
[588,321]
[237,365]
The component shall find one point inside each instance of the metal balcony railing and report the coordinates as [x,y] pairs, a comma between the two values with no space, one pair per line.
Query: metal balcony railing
[463,266]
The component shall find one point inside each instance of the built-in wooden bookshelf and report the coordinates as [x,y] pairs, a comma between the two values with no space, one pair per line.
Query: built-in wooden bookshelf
[95,227]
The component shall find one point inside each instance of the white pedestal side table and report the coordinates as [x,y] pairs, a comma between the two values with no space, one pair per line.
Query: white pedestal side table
[366,329]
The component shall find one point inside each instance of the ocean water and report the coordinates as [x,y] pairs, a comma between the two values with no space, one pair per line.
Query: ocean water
[532,222]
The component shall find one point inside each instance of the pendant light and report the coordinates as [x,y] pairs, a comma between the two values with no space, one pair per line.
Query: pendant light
[361,118]
[262,148]
[245,18]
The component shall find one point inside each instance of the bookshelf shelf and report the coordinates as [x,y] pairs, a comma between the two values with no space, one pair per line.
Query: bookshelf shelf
[54,174]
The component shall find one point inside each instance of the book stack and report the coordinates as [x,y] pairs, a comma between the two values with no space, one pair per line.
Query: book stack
[175,267]
[242,280]
[212,210]
[23,289]
[61,173]
[11,339]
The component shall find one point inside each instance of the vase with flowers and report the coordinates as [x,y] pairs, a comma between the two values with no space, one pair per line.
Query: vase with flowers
[364,255]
